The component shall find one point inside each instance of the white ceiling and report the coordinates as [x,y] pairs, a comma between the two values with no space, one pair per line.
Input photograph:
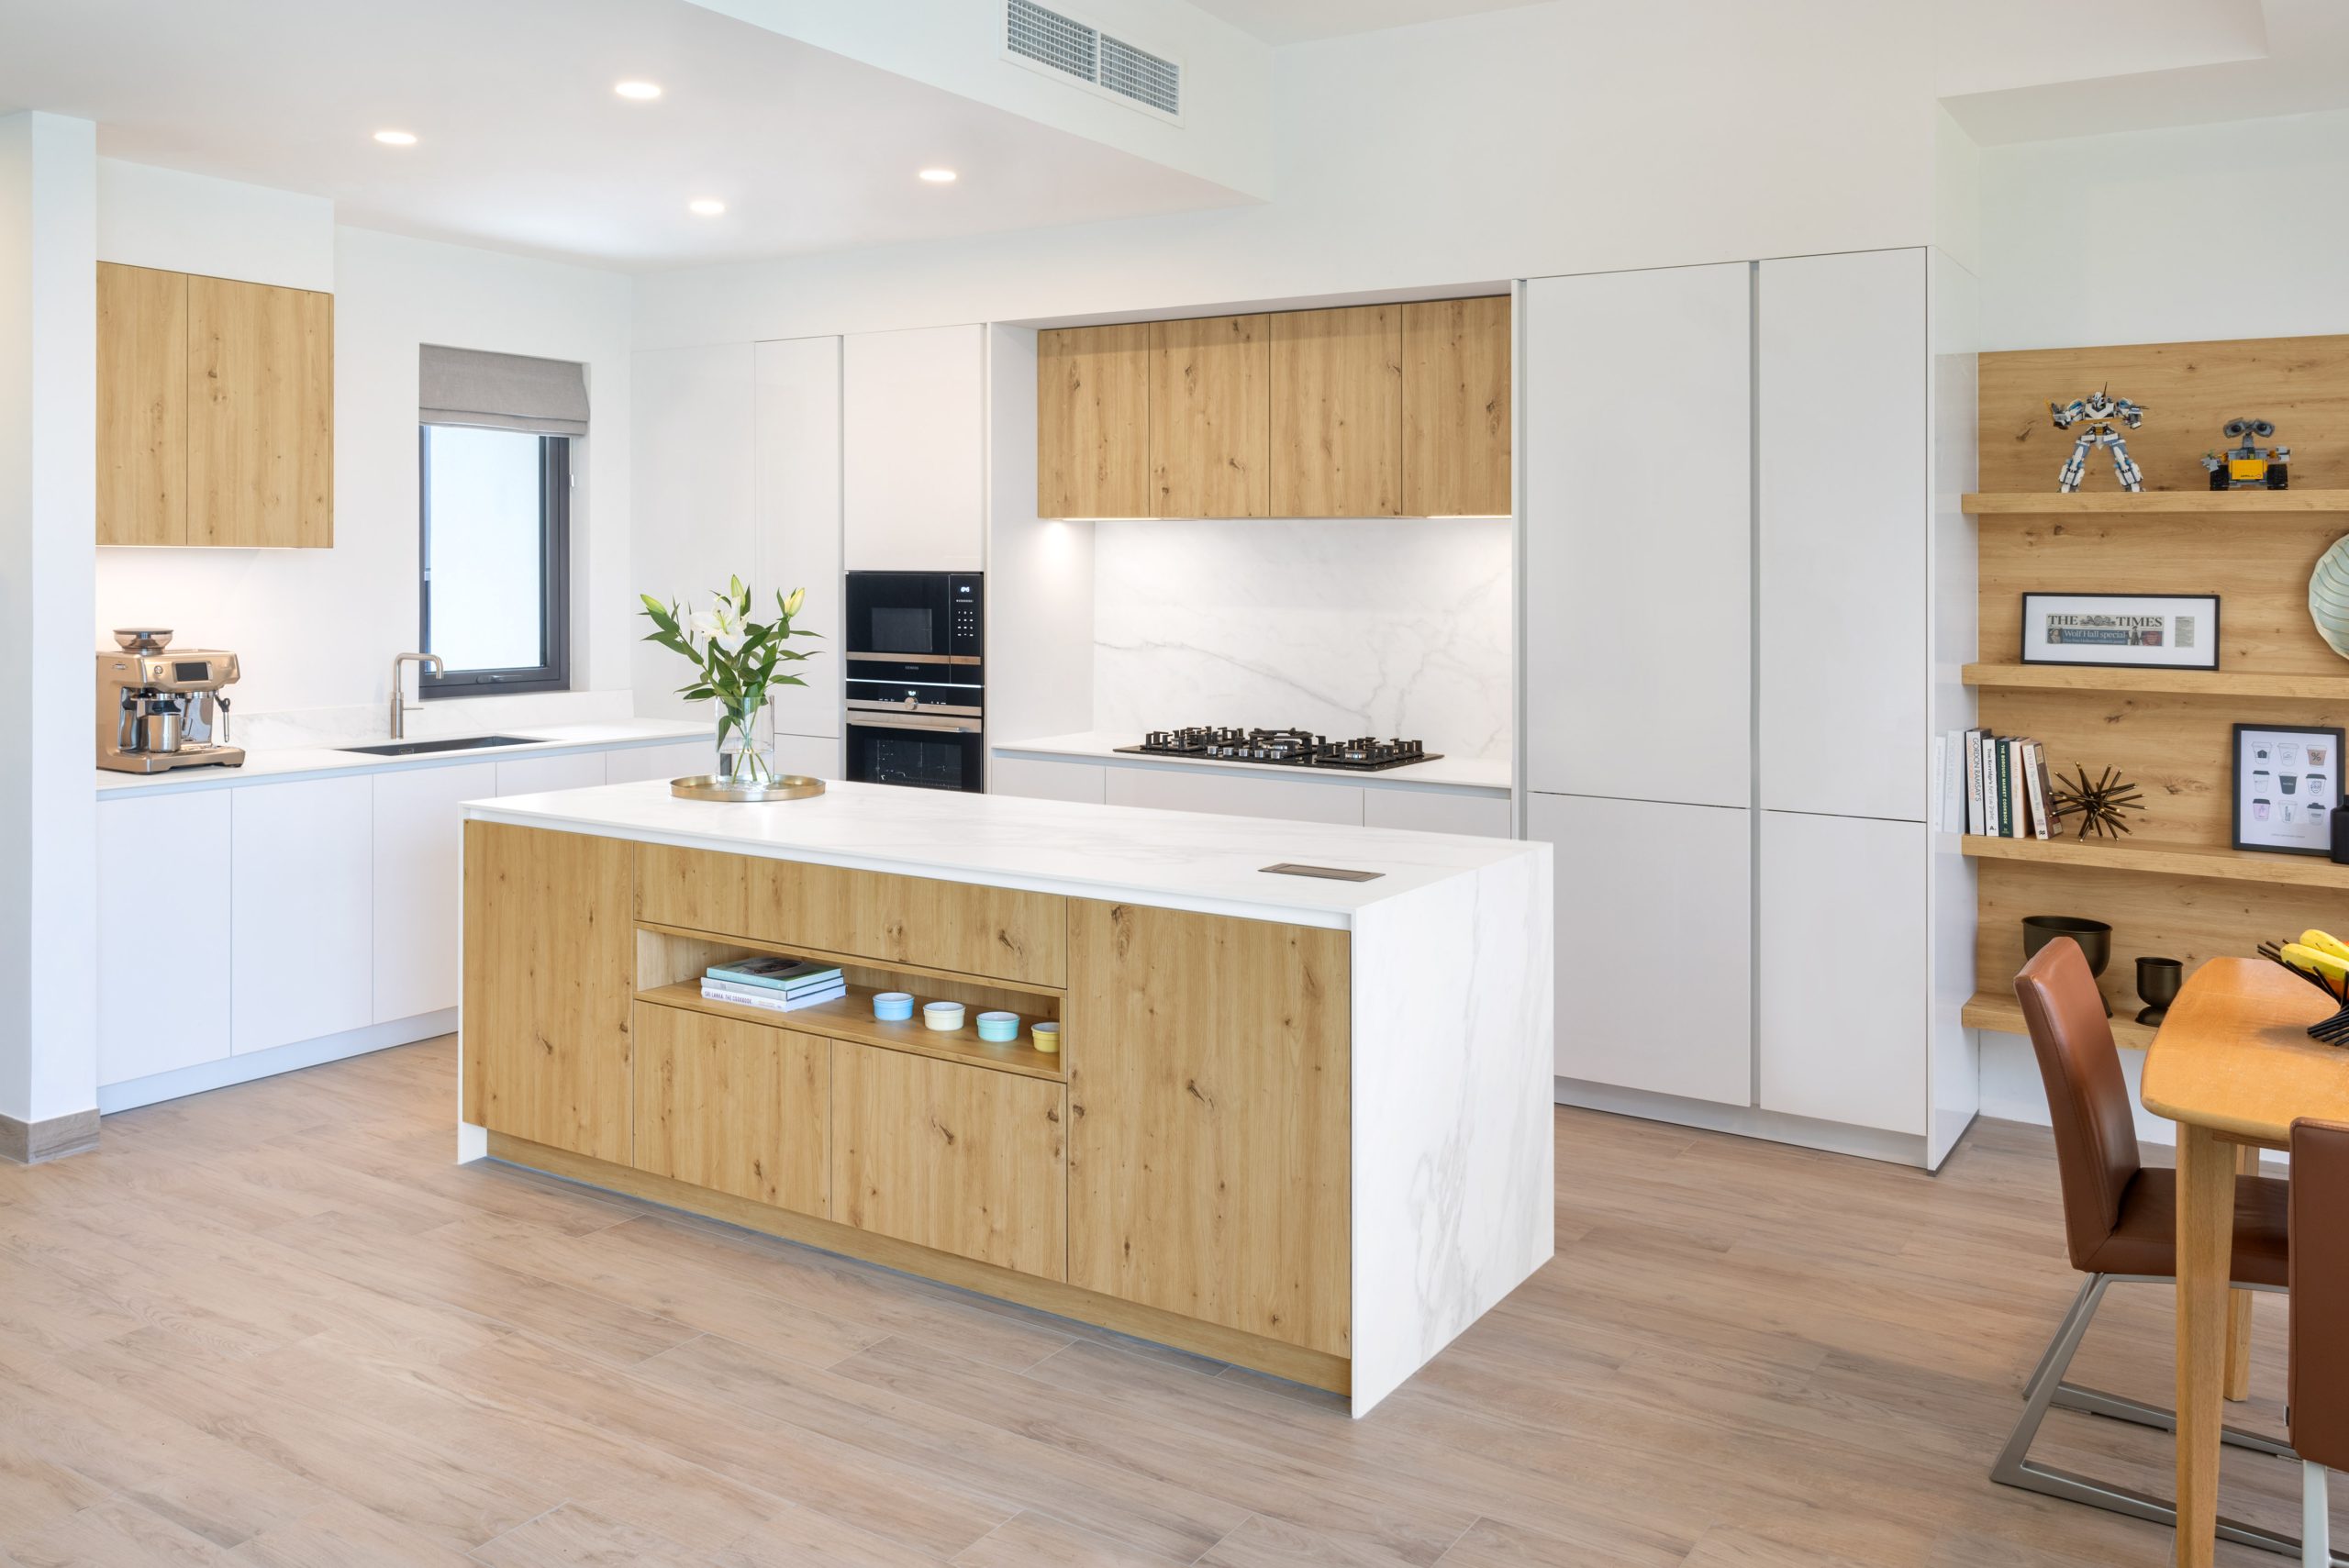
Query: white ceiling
[2162,62]
[1295,21]
[523,144]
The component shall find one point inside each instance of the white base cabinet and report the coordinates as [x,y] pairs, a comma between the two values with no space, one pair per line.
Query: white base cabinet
[300,910]
[1236,794]
[418,853]
[1844,988]
[162,859]
[1654,935]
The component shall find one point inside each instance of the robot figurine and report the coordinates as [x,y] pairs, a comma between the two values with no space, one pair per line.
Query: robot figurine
[2245,467]
[2099,409]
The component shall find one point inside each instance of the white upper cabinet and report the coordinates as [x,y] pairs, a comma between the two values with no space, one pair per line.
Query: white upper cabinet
[798,445]
[1639,522]
[1845,515]
[301,910]
[693,507]
[162,855]
[913,444]
[418,857]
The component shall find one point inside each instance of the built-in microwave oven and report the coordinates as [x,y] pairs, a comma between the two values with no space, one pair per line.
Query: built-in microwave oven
[915,678]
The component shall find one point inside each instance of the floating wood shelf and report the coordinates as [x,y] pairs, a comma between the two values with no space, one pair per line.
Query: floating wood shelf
[2155,503]
[2166,859]
[852,1019]
[2181,682]
[1988,1010]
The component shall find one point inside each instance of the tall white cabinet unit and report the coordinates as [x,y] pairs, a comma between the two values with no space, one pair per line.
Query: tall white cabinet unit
[1748,591]
[913,445]
[797,437]
[1639,669]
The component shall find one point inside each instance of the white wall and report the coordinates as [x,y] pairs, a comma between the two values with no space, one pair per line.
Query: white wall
[1378,626]
[48,500]
[317,629]
[1567,137]
[2230,230]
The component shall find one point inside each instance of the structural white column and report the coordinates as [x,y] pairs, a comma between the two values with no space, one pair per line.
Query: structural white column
[48,576]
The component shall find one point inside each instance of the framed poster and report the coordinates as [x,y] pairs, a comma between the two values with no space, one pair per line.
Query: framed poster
[2288,785]
[2136,631]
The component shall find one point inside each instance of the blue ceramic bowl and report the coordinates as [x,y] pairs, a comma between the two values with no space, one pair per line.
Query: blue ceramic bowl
[893,1006]
[999,1028]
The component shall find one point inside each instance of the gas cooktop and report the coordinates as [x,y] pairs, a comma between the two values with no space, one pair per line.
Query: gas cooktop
[1283,748]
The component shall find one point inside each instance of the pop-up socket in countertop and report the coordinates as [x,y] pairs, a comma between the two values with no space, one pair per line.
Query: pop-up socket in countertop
[1327,874]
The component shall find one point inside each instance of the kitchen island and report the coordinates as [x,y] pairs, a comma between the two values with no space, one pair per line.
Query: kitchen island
[1301,1123]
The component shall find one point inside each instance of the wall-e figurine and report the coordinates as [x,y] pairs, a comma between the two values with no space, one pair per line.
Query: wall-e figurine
[2245,467]
[2099,409]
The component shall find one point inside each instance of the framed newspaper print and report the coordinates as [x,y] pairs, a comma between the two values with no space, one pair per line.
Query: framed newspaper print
[2134,631]
[2288,785]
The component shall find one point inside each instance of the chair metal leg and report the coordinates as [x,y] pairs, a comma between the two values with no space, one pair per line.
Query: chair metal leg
[2015,1467]
[2120,1408]
[2316,1517]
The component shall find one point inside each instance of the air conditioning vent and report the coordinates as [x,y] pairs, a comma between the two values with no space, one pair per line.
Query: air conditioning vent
[1050,39]
[1077,50]
[1137,74]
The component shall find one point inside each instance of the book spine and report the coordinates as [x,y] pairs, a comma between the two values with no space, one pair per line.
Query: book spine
[2006,790]
[2046,791]
[1973,780]
[770,1001]
[787,987]
[2031,789]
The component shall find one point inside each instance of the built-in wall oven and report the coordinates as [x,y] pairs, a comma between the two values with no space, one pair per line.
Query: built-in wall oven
[917,679]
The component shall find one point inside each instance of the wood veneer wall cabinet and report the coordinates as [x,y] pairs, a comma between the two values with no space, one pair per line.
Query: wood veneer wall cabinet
[1210,417]
[1092,422]
[216,412]
[1456,408]
[1209,1131]
[142,406]
[965,1159]
[261,415]
[1338,412]
[549,956]
[734,1107]
[992,931]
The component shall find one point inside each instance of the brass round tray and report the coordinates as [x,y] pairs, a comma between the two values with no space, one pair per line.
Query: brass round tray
[709,786]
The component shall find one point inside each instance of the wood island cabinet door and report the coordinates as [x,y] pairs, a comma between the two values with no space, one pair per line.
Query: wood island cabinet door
[733,1106]
[261,415]
[1210,417]
[550,977]
[1456,408]
[142,406]
[1092,418]
[1209,1119]
[965,1159]
[1337,391]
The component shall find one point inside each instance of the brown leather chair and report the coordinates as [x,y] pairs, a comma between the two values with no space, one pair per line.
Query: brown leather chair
[2121,1222]
[2319,1407]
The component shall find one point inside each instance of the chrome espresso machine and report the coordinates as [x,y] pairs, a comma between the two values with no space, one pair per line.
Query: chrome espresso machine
[161,706]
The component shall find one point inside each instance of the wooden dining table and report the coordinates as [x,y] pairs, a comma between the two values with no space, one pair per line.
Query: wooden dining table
[2233,1066]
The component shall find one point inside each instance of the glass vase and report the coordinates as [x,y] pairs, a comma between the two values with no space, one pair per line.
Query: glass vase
[745,743]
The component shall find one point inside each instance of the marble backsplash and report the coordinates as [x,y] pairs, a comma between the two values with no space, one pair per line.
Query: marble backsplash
[1385,626]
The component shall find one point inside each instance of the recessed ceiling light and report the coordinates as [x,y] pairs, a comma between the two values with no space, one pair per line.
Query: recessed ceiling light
[938,176]
[708,206]
[396,138]
[642,92]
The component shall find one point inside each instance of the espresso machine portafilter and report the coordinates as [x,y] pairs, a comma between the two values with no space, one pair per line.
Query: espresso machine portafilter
[162,707]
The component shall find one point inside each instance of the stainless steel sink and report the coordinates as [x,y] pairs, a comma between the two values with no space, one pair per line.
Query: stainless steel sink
[418,748]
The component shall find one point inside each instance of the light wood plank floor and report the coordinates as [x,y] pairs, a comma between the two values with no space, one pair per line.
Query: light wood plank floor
[275,1325]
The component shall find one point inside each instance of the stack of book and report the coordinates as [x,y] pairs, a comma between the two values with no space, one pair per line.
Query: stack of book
[1993,784]
[778,985]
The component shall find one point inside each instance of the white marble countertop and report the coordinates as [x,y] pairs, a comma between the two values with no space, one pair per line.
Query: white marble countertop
[306,762]
[1466,775]
[1175,859]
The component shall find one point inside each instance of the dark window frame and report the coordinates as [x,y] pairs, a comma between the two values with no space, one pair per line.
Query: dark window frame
[552,673]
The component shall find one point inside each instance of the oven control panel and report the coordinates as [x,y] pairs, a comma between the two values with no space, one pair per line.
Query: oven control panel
[963,615]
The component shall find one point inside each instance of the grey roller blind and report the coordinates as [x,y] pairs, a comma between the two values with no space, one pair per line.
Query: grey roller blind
[503,392]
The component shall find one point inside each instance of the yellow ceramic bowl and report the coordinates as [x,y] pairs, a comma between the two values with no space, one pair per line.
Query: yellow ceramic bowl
[1047,1037]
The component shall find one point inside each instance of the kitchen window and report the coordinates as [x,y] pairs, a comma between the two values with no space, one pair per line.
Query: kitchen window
[493,456]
